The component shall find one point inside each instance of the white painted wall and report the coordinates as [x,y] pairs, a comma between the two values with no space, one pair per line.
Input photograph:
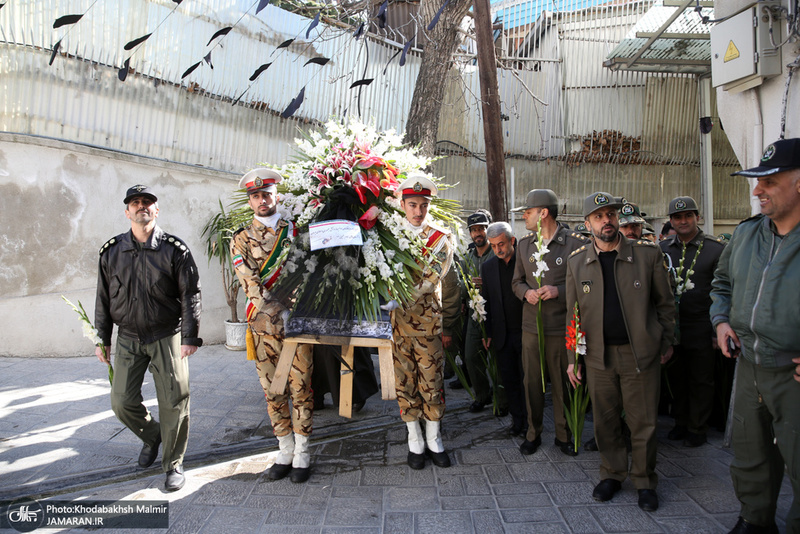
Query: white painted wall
[59,202]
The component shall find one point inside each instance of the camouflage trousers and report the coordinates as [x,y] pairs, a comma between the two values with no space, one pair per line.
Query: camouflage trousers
[418,376]
[298,389]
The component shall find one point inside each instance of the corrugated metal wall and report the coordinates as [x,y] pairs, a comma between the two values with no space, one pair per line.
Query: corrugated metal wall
[577,110]
[157,113]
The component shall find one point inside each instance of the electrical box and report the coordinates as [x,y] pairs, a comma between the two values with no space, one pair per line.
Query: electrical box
[742,55]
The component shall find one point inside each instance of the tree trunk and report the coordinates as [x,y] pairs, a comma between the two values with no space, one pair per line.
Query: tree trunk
[490,105]
[439,45]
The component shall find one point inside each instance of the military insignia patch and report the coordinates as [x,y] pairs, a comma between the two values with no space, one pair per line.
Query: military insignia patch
[587,285]
[586,289]
[139,188]
[258,182]
[768,153]
[417,187]
[600,199]
[237,261]
[680,204]
[627,209]
[532,259]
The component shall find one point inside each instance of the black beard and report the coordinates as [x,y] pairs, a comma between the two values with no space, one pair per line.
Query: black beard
[606,238]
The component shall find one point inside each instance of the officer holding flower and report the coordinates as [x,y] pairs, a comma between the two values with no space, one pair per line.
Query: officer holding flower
[628,314]
[693,257]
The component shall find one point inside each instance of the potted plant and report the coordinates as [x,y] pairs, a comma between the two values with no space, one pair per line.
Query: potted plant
[217,233]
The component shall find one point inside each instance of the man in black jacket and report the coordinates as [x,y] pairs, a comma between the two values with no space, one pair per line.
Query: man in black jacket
[504,320]
[149,287]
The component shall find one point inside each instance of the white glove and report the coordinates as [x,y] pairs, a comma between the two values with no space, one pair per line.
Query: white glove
[391,305]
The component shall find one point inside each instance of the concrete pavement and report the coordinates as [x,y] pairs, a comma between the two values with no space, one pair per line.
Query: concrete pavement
[59,439]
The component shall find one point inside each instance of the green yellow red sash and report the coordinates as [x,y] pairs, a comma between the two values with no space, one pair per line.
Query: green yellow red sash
[271,269]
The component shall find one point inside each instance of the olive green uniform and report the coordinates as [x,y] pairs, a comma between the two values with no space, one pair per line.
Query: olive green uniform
[554,312]
[625,377]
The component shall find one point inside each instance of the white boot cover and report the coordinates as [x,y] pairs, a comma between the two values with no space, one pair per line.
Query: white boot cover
[301,456]
[285,449]
[415,442]
[433,436]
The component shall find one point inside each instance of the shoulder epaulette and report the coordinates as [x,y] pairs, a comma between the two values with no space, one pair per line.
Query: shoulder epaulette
[714,238]
[644,242]
[108,244]
[174,241]
[577,250]
[579,236]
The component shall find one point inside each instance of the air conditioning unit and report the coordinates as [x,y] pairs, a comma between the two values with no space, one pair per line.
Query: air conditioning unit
[742,55]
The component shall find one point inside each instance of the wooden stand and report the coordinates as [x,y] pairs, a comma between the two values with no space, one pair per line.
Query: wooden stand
[346,382]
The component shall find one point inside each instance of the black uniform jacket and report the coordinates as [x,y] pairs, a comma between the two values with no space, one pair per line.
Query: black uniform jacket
[150,292]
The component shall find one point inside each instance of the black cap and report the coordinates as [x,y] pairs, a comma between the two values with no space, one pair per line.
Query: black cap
[139,191]
[679,204]
[481,217]
[782,155]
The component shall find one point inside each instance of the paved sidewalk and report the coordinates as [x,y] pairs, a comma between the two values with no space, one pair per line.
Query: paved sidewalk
[59,439]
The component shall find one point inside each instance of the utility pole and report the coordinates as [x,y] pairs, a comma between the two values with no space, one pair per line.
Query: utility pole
[490,105]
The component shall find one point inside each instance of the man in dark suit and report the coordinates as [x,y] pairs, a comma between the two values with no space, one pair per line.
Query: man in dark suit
[504,319]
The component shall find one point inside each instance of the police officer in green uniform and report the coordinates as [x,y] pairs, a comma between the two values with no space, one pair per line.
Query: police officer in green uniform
[148,285]
[756,312]
[627,313]
[691,374]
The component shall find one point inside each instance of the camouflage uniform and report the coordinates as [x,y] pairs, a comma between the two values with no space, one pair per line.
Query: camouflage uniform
[250,247]
[417,338]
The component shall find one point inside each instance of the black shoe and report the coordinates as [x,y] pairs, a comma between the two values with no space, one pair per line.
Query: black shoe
[175,479]
[149,454]
[743,527]
[319,405]
[648,500]
[591,445]
[448,373]
[416,461]
[517,429]
[455,384]
[606,489]
[677,433]
[529,447]
[279,471]
[358,406]
[694,440]
[476,407]
[566,447]
[300,474]
[439,459]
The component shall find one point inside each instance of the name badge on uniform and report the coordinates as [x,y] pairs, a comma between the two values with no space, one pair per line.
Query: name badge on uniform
[587,285]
